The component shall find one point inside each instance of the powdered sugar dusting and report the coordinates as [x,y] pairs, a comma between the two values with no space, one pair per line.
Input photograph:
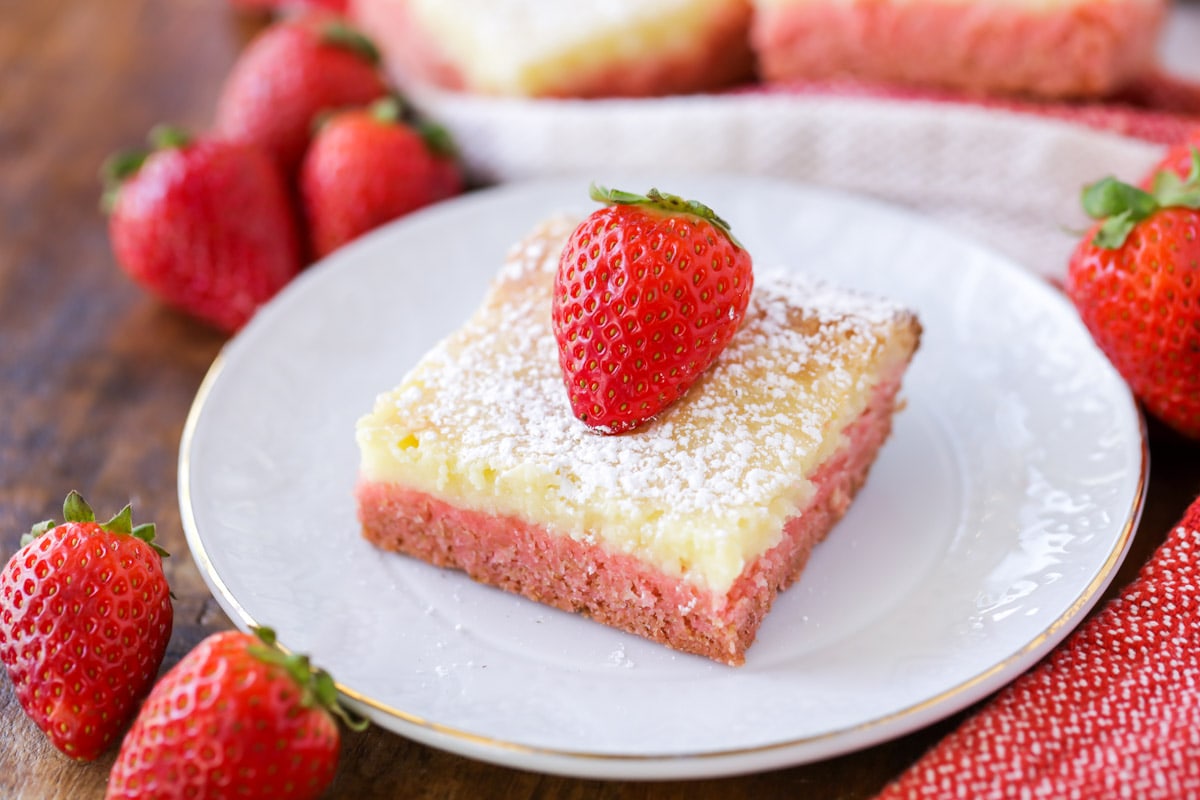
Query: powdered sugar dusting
[704,487]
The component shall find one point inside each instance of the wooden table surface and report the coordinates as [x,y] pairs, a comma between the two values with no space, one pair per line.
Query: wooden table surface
[96,379]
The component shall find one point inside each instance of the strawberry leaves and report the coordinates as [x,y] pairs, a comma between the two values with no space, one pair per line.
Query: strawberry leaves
[339,34]
[124,164]
[318,689]
[1172,191]
[1122,206]
[76,509]
[669,203]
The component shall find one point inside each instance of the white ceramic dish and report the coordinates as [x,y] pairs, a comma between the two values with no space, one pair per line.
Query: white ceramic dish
[991,523]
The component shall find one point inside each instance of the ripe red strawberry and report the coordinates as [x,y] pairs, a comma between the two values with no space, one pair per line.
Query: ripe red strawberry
[289,74]
[649,291]
[237,717]
[85,616]
[364,168]
[205,225]
[1136,282]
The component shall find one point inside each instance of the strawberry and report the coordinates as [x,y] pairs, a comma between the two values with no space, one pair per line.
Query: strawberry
[205,225]
[364,168]
[1136,282]
[290,73]
[649,291]
[85,616]
[237,717]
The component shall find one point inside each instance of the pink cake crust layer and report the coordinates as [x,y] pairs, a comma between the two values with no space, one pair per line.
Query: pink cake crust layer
[615,588]
[719,59]
[1073,49]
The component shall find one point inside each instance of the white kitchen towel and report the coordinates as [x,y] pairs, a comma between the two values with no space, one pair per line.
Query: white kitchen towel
[1011,180]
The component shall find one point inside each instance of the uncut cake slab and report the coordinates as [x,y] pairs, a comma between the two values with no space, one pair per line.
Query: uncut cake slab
[684,527]
[985,530]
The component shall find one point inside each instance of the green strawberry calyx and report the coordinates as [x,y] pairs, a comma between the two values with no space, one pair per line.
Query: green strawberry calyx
[76,509]
[318,689]
[1121,206]
[437,139]
[339,34]
[124,164]
[387,110]
[661,201]
[391,110]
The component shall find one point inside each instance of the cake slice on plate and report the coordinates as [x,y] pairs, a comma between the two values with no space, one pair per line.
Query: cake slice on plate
[682,530]
[1042,48]
[547,48]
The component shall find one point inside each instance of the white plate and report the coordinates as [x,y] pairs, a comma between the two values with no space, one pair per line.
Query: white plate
[994,518]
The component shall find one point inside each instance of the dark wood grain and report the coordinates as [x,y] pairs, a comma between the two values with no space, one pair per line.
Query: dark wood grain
[96,380]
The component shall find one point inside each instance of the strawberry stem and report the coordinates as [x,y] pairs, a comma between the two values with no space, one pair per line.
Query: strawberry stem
[317,686]
[670,203]
[1122,206]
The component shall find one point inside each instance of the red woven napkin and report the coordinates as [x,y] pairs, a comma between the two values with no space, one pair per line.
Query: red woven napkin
[1113,712]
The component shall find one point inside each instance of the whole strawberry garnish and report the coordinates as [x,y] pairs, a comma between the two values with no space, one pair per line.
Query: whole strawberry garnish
[237,717]
[649,290]
[364,168]
[288,75]
[1136,283]
[85,616]
[206,225]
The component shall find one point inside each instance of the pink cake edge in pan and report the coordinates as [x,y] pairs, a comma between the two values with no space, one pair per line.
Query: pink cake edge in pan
[720,59]
[618,589]
[1073,49]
